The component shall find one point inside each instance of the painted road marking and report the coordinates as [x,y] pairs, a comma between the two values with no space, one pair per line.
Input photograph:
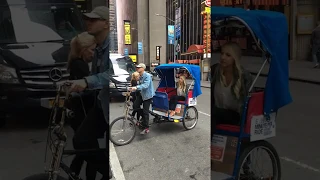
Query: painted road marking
[204,113]
[300,164]
[115,164]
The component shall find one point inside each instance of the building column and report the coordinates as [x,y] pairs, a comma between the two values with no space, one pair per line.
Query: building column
[143,30]
[127,10]
[158,30]
[293,36]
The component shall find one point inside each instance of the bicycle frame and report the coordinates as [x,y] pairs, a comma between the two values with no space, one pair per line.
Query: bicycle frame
[58,149]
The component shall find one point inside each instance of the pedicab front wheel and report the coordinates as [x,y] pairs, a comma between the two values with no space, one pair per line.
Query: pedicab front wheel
[190,119]
[247,162]
[122,131]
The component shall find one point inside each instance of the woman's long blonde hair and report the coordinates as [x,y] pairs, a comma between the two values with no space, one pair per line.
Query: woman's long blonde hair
[78,44]
[235,51]
[134,75]
[182,85]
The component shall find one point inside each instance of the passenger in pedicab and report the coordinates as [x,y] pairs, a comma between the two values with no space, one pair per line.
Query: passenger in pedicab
[181,95]
[230,83]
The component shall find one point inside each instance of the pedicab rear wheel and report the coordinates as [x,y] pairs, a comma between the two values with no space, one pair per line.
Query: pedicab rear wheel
[243,160]
[131,125]
[42,176]
[191,115]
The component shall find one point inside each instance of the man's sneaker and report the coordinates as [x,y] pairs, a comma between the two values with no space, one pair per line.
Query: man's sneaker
[316,66]
[145,131]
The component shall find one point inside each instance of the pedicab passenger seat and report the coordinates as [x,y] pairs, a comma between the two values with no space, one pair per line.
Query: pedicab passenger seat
[162,97]
[255,107]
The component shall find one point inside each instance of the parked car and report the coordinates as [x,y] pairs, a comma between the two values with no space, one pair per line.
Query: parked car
[34,46]
[121,69]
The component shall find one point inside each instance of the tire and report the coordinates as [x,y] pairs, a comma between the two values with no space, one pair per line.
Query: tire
[271,151]
[130,139]
[196,118]
[43,176]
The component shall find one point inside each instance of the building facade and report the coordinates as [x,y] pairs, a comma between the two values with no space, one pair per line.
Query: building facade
[113,26]
[187,19]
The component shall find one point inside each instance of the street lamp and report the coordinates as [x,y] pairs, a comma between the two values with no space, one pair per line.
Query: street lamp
[165,17]
[174,34]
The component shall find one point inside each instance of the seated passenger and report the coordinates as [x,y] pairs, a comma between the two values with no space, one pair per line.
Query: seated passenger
[181,95]
[230,83]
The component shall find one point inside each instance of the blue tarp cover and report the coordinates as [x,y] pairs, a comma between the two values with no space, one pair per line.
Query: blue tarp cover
[271,29]
[166,73]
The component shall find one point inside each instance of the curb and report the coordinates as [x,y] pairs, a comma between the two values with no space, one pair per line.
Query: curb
[115,164]
[291,78]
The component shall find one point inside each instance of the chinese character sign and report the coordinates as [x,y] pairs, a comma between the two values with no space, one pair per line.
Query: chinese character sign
[127,33]
[170,34]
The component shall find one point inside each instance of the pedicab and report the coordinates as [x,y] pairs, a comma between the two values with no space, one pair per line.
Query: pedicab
[187,113]
[232,146]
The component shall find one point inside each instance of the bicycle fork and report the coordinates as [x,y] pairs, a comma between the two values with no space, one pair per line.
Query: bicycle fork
[56,159]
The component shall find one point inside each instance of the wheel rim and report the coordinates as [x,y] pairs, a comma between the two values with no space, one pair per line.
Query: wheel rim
[122,131]
[191,118]
[248,166]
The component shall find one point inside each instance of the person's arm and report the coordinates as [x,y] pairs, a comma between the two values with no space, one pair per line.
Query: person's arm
[145,84]
[80,69]
[99,80]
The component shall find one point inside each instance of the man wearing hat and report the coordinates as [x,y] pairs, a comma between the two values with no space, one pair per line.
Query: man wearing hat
[147,92]
[96,122]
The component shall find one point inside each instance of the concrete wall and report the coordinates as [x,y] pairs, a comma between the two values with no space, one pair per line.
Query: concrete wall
[157,27]
[127,10]
[143,30]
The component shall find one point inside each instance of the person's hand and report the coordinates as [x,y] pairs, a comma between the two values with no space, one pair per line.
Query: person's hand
[132,88]
[78,85]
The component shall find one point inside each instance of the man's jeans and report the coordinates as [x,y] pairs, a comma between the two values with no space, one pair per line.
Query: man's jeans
[315,53]
[146,106]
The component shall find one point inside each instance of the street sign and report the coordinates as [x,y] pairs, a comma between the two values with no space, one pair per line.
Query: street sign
[126,51]
[140,48]
[158,52]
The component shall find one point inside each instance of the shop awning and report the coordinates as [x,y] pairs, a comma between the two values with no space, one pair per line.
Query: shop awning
[194,49]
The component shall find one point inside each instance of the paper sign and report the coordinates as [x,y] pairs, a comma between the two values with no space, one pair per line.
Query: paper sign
[178,108]
[263,127]
[218,146]
[192,101]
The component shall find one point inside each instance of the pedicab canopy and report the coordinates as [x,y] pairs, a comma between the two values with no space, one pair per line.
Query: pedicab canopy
[271,29]
[167,74]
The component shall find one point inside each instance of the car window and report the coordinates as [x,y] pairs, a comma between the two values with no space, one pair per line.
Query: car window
[39,22]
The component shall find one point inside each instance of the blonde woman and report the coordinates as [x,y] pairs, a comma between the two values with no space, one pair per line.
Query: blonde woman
[134,82]
[230,83]
[181,95]
[81,53]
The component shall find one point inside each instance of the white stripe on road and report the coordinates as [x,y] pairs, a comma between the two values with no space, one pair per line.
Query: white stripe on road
[300,164]
[115,164]
[204,113]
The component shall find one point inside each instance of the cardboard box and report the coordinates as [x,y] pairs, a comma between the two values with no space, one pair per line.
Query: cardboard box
[223,153]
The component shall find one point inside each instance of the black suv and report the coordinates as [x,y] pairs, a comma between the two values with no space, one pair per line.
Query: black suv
[34,47]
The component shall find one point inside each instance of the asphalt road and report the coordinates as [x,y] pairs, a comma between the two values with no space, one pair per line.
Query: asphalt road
[170,152]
